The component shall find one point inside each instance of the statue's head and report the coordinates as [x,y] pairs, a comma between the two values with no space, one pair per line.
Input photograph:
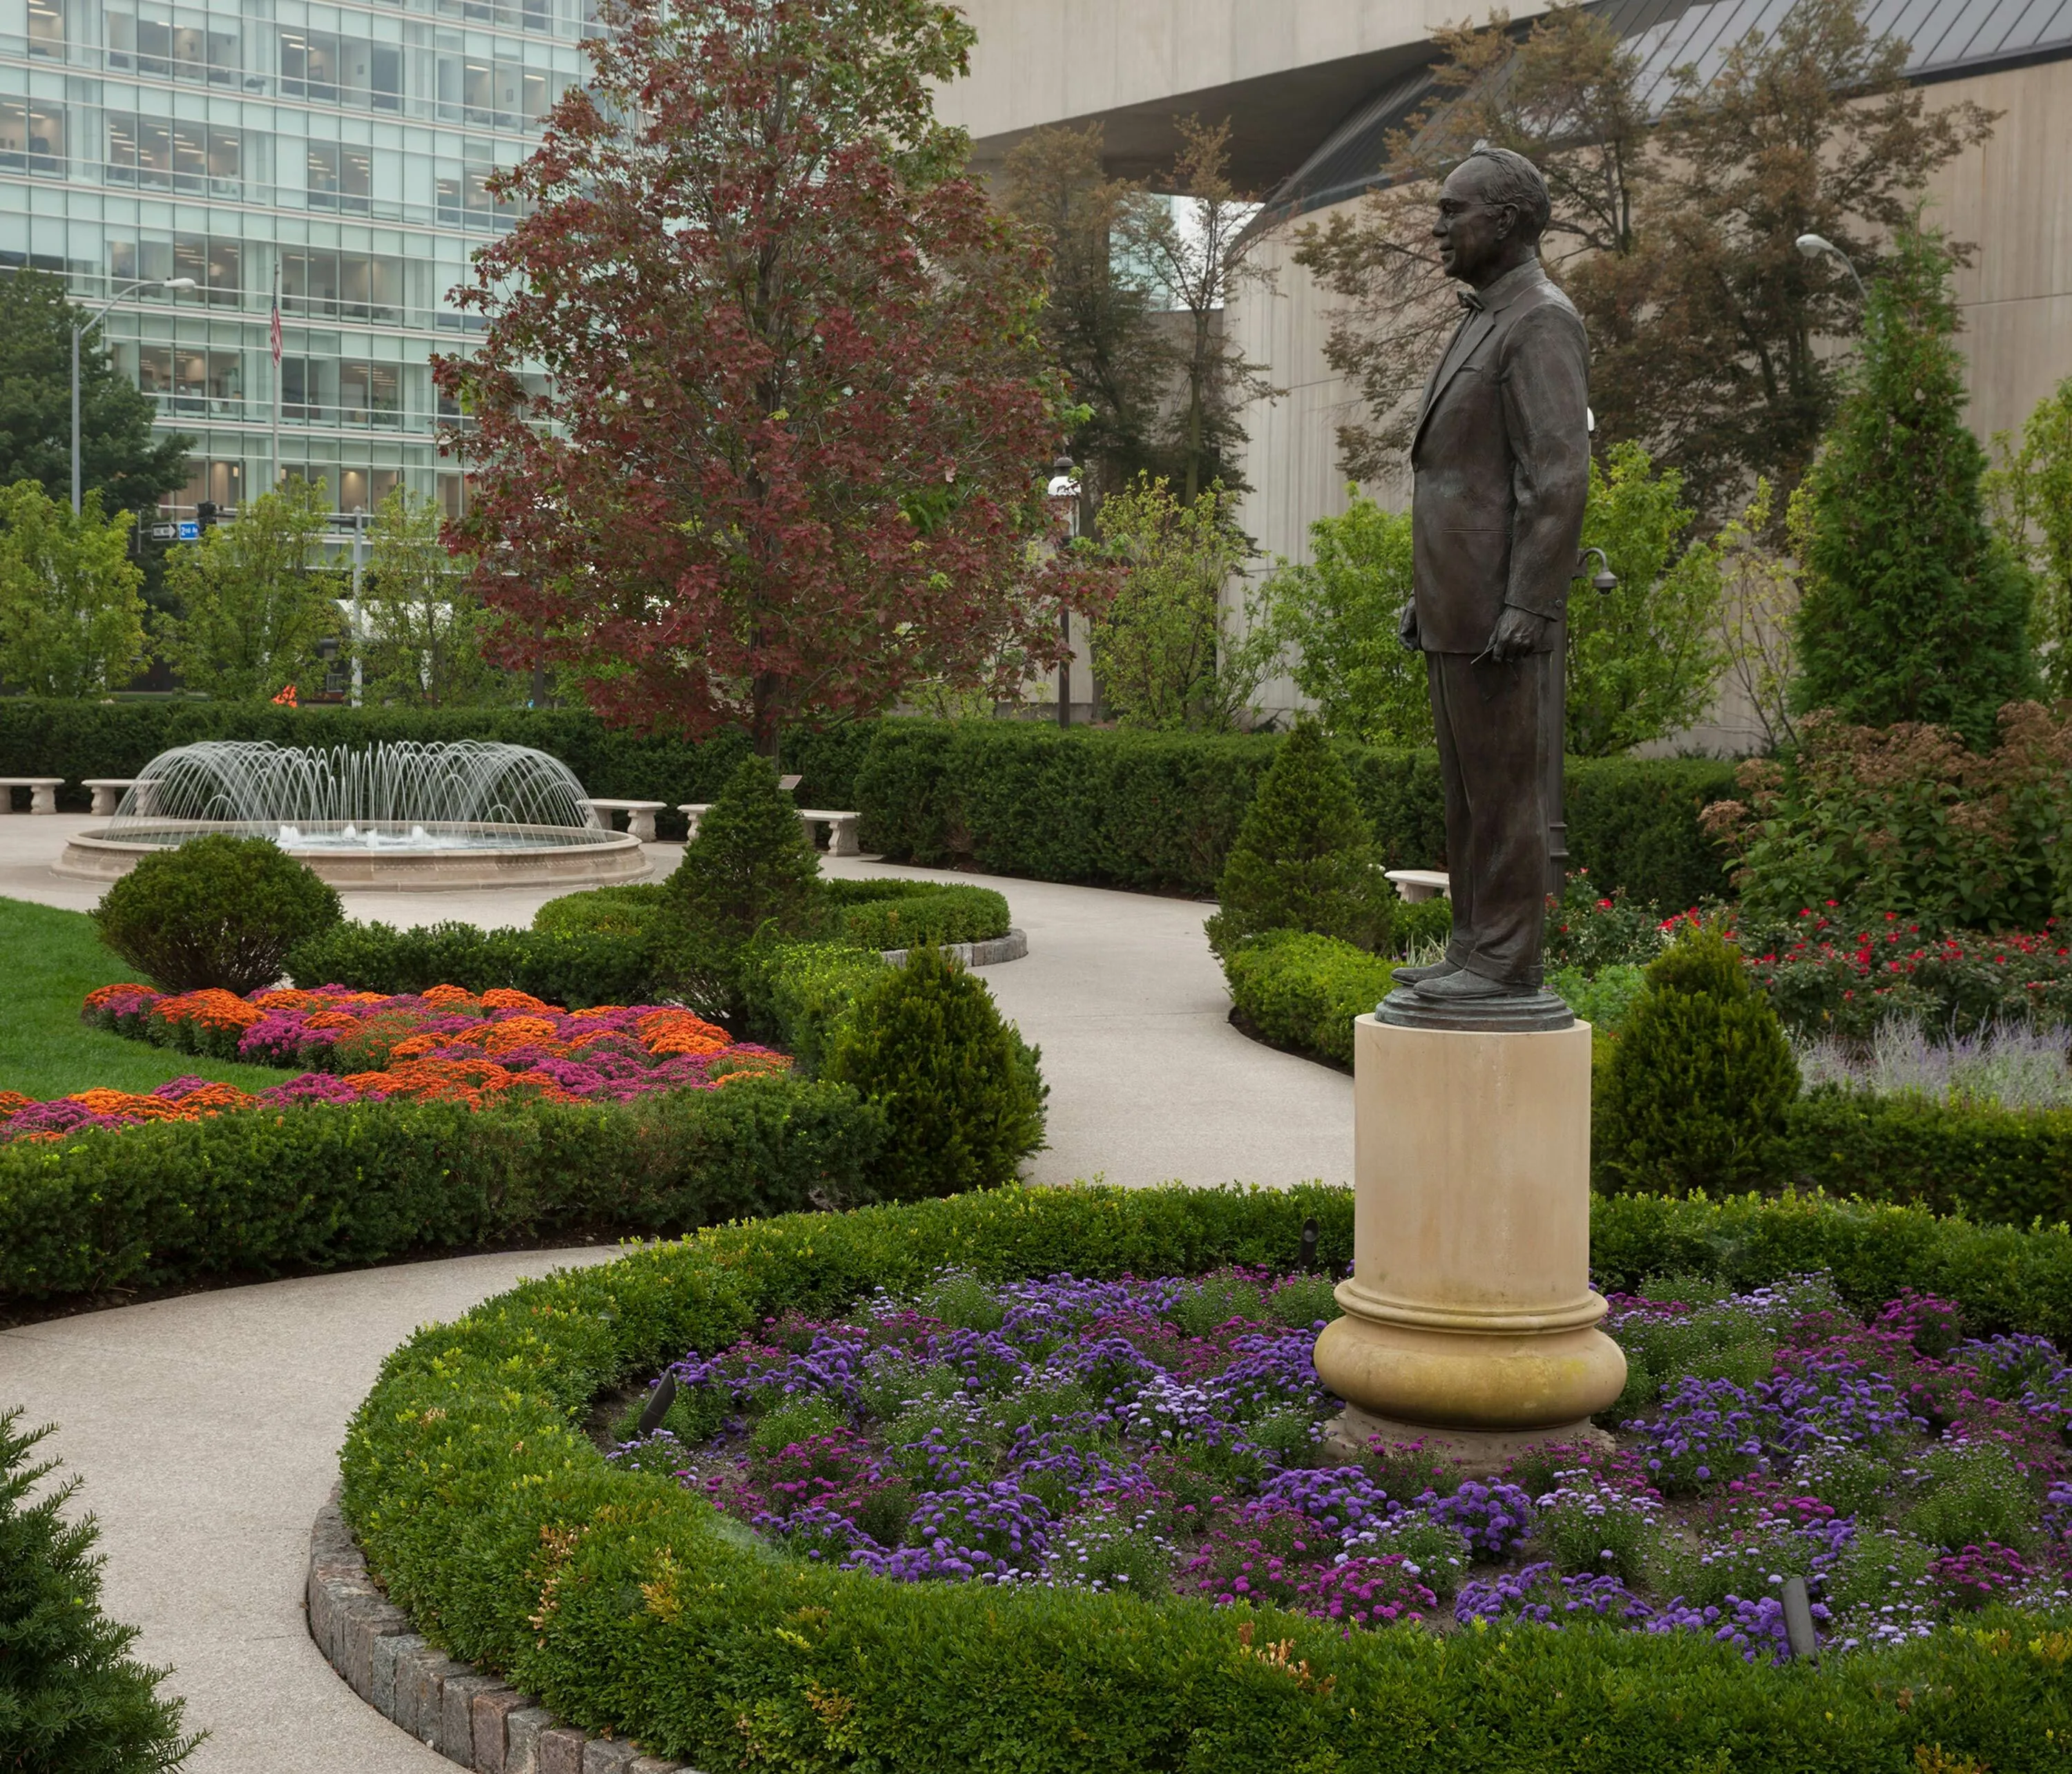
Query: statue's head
[1493,209]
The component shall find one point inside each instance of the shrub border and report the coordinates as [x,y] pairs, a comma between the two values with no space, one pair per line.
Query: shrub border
[446,1704]
[455,1513]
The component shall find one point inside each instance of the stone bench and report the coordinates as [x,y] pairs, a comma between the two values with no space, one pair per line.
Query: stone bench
[639,815]
[42,792]
[842,825]
[107,793]
[1416,884]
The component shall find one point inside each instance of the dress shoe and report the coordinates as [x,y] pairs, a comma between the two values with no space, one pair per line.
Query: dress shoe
[1416,976]
[1461,987]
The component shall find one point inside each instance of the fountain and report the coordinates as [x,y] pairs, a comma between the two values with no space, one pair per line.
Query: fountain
[451,814]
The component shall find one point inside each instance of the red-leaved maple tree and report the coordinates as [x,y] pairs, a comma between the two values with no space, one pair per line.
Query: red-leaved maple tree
[760,422]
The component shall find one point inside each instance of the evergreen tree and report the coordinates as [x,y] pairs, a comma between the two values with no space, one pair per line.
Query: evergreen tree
[749,865]
[119,451]
[963,1099]
[1695,1090]
[70,1701]
[1913,608]
[1304,858]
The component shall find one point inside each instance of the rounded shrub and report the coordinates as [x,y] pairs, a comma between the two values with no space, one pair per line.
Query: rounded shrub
[1304,858]
[750,865]
[69,1697]
[216,911]
[963,1099]
[1694,1093]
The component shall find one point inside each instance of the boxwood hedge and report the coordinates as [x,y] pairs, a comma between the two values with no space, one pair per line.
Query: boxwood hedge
[625,1604]
[325,1185]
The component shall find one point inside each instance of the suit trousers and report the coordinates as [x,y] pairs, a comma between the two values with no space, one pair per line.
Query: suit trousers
[1487,718]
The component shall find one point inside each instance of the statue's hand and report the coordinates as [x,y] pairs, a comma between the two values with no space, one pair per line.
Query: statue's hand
[1518,633]
[1406,630]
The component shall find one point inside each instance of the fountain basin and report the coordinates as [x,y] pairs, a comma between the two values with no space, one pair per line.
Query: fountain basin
[451,855]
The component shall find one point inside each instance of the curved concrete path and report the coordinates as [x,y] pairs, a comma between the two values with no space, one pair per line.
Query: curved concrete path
[207,1428]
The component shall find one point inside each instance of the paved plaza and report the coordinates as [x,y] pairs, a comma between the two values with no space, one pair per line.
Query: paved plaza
[207,1427]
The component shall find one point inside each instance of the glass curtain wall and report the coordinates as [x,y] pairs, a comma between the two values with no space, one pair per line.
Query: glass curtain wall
[344,149]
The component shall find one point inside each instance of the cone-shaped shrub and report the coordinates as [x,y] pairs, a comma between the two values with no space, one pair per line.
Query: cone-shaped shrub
[1304,857]
[750,865]
[960,1091]
[1914,609]
[70,1701]
[1694,1092]
[215,911]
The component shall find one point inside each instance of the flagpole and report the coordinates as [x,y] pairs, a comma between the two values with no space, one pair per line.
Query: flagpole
[275,340]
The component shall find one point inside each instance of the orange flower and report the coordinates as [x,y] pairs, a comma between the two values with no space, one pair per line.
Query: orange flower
[11,1102]
[211,1007]
[102,995]
[288,998]
[416,1046]
[595,1010]
[667,1031]
[447,997]
[503,998]
[519,1031]
[331,1019]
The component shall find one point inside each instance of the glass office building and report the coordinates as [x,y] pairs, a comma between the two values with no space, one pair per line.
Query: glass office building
[343,148]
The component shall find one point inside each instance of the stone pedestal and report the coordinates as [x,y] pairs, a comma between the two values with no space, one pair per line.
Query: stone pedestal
[1470,1317]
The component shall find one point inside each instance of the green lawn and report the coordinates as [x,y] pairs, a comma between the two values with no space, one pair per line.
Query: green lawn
[53,959]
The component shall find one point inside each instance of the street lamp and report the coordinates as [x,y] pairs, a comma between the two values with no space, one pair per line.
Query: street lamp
[1813,245]
[80,332]
[1065,485]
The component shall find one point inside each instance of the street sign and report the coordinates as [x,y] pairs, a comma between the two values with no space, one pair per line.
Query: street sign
[190,531]
[164,532]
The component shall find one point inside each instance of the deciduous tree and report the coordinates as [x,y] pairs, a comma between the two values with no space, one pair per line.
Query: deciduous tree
[425,624]
[71,611]
[2029,492]
[789,453]
[254,597]
[1167,653]
[1098,321]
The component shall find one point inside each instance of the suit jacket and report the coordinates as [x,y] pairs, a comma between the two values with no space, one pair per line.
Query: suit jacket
[1502,464]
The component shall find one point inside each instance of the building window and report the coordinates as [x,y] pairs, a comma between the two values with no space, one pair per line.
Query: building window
[369,393]
[160,153]
[188,379]
[222,482]
[216,264]
[341,177]
[174,45]
[334,70]
[342,286]
[46,29]
[32,136]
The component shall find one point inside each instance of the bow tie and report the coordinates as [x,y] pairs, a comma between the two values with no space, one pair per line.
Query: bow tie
[1470,300]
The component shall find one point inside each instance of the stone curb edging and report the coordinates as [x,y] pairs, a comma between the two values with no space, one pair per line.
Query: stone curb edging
[1009,947]
[469,1717]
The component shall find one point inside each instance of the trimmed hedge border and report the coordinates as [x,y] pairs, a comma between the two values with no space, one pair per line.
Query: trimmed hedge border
[325,1186]
[626,1605]
[467,1717]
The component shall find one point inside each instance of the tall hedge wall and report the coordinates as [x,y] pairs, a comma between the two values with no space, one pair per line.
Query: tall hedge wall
[76,740]
[1159,810]
[1150,811]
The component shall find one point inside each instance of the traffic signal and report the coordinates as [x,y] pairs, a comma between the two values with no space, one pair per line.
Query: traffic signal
[205,513]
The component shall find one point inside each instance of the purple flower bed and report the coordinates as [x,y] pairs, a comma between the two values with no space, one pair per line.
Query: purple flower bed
[1169,1438]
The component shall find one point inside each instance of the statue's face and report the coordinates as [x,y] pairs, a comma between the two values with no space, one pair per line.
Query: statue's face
[1473,234]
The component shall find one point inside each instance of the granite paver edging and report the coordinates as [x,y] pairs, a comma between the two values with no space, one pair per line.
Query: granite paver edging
[469,1717]
[1010,947]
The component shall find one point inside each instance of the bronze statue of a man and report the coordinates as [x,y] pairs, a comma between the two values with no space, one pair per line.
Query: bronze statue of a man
[1501,461]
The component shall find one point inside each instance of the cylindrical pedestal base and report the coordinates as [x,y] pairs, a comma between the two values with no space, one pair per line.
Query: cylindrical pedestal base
[1470,1306]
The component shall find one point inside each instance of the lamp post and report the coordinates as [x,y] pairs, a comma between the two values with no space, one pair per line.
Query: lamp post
[1064,484]
[80,332]
[1813,246]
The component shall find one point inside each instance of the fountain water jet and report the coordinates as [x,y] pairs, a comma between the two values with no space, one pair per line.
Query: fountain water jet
[455,813]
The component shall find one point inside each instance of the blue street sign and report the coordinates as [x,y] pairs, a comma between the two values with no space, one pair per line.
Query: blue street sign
[190,531]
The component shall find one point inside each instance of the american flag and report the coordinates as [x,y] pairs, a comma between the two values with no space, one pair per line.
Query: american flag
[273,330]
